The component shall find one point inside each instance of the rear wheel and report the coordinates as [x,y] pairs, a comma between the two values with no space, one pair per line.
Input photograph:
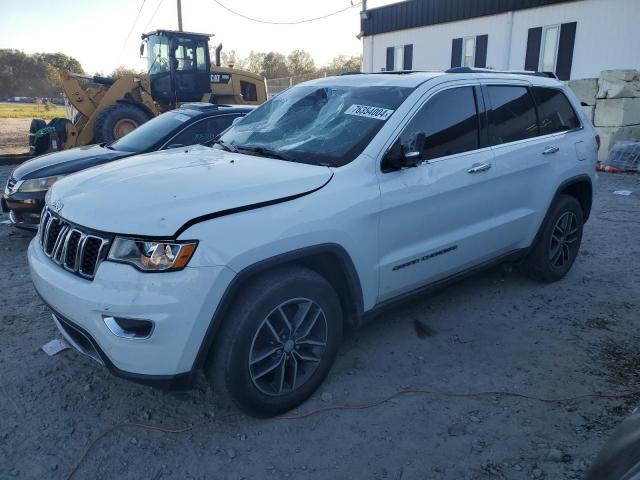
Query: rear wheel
[556,249]
[116,121]
[277,343]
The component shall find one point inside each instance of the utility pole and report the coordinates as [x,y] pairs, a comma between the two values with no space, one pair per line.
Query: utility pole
[180,15]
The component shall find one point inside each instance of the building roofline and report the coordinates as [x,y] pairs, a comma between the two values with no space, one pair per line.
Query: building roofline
[421,13]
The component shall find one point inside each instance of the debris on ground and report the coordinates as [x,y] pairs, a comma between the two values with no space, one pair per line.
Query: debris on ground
[623,157]
[56,346]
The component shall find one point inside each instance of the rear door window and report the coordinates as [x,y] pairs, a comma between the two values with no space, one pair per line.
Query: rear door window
[512,115]
[554,110]
[449,121]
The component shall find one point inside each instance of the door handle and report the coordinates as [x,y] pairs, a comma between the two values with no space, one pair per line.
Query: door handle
[479,167]
[550,150]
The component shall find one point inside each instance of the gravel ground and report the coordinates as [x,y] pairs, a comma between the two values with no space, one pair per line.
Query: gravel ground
[494,331]
[14,136]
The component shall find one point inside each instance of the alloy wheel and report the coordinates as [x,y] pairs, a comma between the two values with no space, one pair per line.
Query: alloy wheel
[288,346]
[563,236]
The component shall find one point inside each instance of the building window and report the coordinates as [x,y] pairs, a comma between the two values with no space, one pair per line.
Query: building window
[469,51]
[399,58]
[549,48]
[468,59]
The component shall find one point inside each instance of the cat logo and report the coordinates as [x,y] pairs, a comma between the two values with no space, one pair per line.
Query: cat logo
[220,77]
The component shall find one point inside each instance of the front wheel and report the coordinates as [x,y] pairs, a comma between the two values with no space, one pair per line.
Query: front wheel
[278,342]
[557,247]
[116,121]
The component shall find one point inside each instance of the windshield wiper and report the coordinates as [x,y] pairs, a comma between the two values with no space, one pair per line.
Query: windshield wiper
[269,153]
[227,146]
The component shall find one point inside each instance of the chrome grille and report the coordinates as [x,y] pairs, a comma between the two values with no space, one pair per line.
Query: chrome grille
[74,248]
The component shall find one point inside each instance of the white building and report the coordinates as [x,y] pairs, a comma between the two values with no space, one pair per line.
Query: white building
[573,38]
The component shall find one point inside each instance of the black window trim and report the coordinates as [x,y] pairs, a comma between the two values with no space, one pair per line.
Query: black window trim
[209,117]
[521,83]
[428,95]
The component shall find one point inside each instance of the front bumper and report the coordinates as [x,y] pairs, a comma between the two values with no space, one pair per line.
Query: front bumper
[180,305]
[24,208]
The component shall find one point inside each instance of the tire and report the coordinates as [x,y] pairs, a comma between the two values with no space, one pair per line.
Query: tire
[238,358]
[40,145]
[116,121]
[558,245]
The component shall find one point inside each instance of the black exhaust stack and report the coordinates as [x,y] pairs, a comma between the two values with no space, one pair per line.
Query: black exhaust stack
[218,50]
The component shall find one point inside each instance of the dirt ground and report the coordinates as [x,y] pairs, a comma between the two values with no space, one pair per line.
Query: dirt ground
[14,135]
[495,331]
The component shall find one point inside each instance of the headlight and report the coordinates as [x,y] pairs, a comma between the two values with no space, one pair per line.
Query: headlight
[151,255]
[38,184]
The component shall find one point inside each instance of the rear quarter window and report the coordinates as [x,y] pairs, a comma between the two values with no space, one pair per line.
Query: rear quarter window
[555,111]
[512,116]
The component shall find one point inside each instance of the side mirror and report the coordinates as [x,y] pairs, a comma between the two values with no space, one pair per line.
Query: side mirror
[142,49]
[413,156]
[399,157]
[393,159]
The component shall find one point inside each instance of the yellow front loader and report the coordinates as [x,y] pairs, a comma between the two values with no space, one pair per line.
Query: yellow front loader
[179,71]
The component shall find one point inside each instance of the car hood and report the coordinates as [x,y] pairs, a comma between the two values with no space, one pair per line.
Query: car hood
[157,194]
[66,162]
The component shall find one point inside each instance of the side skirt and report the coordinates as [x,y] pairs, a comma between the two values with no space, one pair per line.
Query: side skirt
[429,288]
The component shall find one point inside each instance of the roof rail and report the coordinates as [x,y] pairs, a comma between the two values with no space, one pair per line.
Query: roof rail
[513,72]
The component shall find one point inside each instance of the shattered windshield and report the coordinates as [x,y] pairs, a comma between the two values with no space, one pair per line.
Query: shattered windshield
[316,124]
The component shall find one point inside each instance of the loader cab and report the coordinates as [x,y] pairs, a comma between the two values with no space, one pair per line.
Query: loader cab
[178,65]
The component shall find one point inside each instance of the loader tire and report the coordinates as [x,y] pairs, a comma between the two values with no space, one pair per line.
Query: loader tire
[40,145]
[116,121]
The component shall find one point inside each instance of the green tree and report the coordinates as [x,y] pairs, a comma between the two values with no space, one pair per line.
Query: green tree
[346,63]
[60,61]
[255,62]
[300,62]
[122,71]
[274,65]
[36,75]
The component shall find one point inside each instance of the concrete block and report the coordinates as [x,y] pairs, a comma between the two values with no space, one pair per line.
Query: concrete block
[622,75]
[585,89]
[610,135]
[619,84]
[618,112]
[589,109]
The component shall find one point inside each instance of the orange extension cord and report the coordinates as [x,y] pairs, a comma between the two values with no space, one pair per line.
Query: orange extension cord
[364,406]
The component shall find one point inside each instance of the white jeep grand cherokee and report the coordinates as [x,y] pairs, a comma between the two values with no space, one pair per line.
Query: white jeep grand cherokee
[330,201]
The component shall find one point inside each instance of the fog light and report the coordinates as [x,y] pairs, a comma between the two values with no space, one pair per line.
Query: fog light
[129,327]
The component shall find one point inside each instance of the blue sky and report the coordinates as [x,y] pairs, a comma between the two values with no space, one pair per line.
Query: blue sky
[94,31]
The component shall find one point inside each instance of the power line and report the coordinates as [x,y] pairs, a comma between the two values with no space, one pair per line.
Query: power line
[297,22]
[152,16]
[131,30]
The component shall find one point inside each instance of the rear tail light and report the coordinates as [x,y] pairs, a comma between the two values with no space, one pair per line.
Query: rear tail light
[598,141]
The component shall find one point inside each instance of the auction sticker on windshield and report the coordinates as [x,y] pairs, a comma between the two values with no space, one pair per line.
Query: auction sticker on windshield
[369,112]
